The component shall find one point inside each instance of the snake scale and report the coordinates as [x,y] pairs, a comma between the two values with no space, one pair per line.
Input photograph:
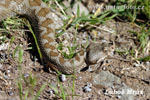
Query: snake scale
[44,24]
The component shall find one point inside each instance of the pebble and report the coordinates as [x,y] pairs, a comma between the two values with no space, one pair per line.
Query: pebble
[87,87]
[63,78]
[50,91]
[119,97]
[39,98]
[104,68]
[90,69]
[8,71]
[147,63]
[6,77]
[2,57]
[80,77]
[10,93]
[89,84]
[26,75]
[93,11]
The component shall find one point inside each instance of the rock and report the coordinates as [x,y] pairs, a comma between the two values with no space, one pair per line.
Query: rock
[82,8]
[67,5]
[120,89]
[106,79]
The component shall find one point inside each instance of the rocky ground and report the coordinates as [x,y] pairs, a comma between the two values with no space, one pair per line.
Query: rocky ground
[118,78]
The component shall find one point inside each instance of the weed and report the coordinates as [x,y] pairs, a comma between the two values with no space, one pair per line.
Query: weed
[63,94]
[132,10]
[14,24]
[142,37]
[30,83]
[75,22]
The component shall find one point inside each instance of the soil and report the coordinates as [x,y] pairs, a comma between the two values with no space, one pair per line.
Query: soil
[134,74]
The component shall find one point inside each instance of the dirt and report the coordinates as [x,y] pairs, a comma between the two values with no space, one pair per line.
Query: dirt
[136,77]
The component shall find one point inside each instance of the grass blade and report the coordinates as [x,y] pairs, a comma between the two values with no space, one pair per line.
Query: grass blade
[39,92]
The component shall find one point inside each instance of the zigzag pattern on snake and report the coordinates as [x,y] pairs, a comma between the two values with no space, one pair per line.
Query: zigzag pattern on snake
[44,23]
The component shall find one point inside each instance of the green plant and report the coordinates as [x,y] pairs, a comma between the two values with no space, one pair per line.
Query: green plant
[132,10]
[15,24]
[30,82]
[75,22]
[142,37]
[63,93]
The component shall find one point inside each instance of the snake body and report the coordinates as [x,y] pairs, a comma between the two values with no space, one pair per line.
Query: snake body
[44,23]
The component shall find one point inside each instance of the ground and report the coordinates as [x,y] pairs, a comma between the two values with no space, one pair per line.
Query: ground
[126,72]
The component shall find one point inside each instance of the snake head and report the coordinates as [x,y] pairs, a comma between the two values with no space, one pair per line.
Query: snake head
[97,52]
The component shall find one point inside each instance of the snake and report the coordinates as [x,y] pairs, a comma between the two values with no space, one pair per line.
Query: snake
[44,22]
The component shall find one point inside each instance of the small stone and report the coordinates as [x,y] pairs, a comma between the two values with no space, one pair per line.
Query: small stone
[51,92]
[63,78]
[147,63]
[119,97]
[89,84]
[26,75]
[8,71]
[104,68]
[98,33]
[80,77]
[6,77]
[39,98]
[35,59]
[10,93]
[90,69]
[93,11]
[87,89]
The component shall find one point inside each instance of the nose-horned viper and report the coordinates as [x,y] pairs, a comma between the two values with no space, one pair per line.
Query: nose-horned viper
[44,23]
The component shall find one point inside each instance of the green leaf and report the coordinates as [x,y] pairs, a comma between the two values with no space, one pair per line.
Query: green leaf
[20,55]
[78,11]
[144,59]
[39,92]
[14,53]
